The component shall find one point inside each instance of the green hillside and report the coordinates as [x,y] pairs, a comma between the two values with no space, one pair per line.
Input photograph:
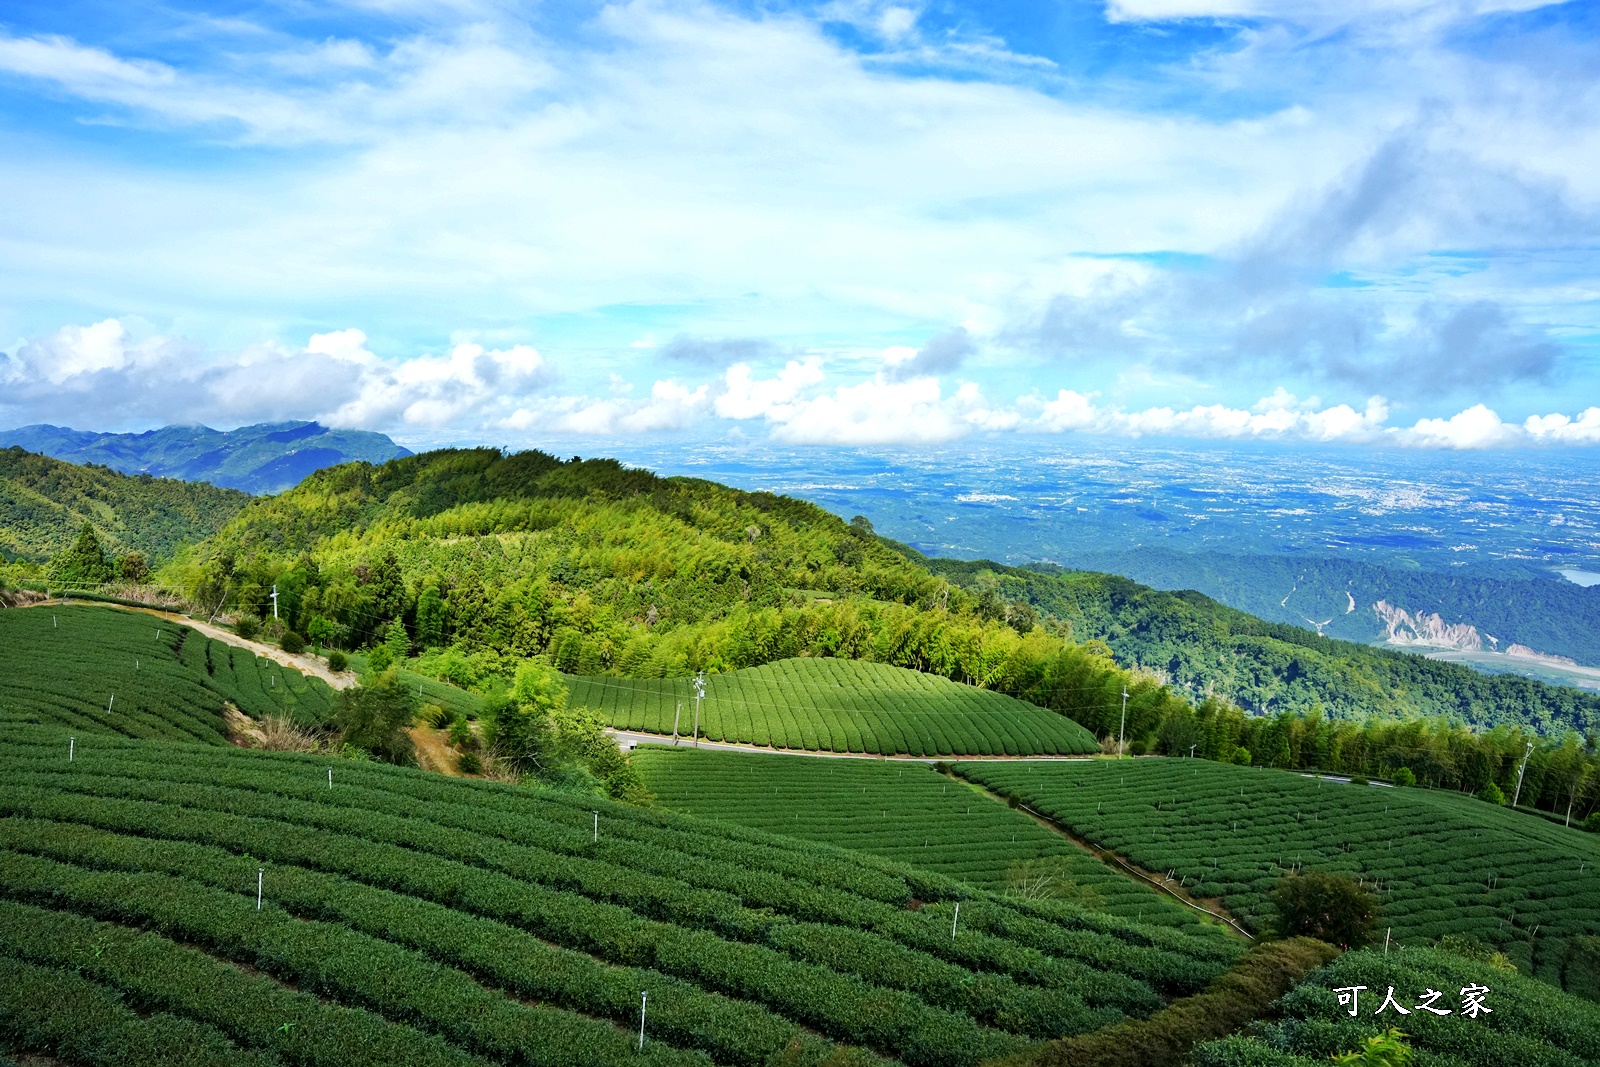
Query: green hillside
[611,571]
[1536,608]
[1441,862]
[419,919]
[903,811]
[103,670]
[44,502]
[1206,647]
[837,705]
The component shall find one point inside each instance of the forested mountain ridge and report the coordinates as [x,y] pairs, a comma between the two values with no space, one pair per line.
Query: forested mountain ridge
[265,458]
[1204,647]
[608,570]
[1539,611]
[45,502]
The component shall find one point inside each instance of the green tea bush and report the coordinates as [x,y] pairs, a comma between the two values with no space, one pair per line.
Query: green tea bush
[837,705]
[491,918]
[107,671]
[901,810]
[1437,862]
[1265,973]
[1528,1022]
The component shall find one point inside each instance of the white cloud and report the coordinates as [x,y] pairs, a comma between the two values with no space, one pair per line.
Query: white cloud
[111,374]
[1476,427]
[1559,429]
[671,406]
[745,397]
[878,411]
[1280,416]
[752,169]
[103,374]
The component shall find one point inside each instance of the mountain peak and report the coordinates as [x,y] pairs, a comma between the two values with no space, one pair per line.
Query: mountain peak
[263,458]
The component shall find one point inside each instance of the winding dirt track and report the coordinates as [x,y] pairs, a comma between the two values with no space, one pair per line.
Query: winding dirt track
[305,662]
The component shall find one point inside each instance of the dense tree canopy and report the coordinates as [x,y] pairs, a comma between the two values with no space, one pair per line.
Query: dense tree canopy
[45,502]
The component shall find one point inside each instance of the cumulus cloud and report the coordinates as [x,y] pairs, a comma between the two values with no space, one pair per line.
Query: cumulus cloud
[1278,417]
[943,353]
[800,409]
[671,406]
[103,375]
[746,397]
[883,410]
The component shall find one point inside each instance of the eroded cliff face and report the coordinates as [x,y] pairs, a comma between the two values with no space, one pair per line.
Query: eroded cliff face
[1524,652]
[1429,630]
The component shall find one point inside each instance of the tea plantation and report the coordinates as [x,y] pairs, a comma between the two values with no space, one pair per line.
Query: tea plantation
[1527,1023]
[411,918]
[1441,862]
[103,670]
[839,706]
[897,809]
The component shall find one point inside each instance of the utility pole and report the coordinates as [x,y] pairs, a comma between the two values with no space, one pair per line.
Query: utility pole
[699,693]
[1520,772]
[1124,725]
[597,827]
[675,716]
[274,600]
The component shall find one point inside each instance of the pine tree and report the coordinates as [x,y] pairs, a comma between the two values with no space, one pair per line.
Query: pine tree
[84,563]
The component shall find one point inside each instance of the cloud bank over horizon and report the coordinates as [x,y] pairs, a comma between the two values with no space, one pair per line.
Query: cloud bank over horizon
[860,221]
[114,378]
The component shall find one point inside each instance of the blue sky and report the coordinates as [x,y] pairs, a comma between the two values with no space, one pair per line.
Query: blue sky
[860,221]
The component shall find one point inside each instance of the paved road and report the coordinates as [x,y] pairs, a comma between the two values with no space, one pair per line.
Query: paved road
[629,739]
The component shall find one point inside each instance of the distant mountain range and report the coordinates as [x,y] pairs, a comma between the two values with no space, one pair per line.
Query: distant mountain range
[266,458]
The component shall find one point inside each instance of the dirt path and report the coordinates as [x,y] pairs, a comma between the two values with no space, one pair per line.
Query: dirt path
[433,751]
[305,662]
[1209,905]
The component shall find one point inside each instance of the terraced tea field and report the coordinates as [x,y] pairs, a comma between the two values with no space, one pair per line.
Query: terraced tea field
[838,706]
[1442,863]
[420,919]
[1529,1022]
[102,670]
[899,810]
